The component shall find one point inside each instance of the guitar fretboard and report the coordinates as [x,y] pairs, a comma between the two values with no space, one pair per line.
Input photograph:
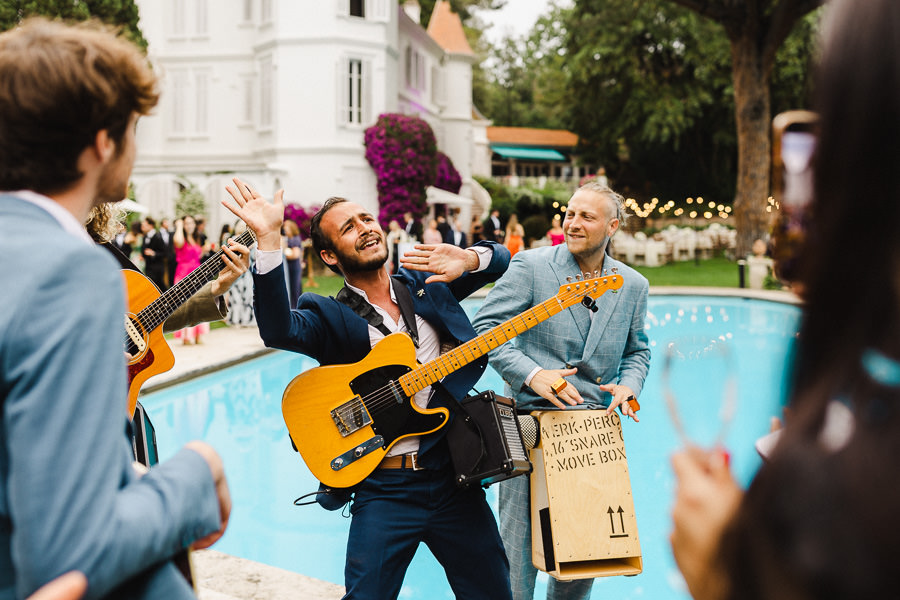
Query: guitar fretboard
[477,347]
[155,313]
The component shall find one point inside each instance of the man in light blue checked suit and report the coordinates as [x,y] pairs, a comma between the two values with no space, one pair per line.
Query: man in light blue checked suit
[577,359]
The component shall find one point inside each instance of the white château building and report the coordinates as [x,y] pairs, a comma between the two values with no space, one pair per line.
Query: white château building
[279,93]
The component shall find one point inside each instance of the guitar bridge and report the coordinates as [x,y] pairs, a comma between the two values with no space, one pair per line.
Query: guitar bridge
[351,416]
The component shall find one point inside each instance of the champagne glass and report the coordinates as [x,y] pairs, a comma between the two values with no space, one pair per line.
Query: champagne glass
[700,389]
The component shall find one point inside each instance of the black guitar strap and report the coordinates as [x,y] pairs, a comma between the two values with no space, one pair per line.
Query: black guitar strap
[358,304]
[404,300]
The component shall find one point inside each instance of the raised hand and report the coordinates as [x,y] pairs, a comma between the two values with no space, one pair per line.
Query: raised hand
[263,217]
[446,261]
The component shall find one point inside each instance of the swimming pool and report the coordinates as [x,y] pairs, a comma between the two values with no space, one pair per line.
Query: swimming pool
[238,410]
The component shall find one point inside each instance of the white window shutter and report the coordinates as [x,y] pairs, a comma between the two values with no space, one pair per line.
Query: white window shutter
[178,79]
[202,113]
[377,9]
[342,78]
[202,24]
[177,18]
[367,101]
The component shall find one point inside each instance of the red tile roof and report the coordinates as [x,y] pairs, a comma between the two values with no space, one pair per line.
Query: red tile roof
[446,29]
[527,136]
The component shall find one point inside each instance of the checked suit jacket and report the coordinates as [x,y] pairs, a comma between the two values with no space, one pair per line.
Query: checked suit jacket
[609,345]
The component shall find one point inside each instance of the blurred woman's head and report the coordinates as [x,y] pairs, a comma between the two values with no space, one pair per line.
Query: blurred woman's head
[852,251]
[290,228]
[190,225]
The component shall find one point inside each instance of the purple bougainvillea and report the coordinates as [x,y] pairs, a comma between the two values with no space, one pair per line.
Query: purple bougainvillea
[301,216]
[447,176]
[403,152]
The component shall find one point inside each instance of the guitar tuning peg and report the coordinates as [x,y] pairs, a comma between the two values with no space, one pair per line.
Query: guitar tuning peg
[569,279]
[596,272]
[615,270]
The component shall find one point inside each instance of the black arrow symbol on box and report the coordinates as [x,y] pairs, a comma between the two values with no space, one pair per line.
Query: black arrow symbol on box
[612,523]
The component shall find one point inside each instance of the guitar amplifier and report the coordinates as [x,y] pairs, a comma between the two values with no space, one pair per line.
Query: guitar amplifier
[486,442]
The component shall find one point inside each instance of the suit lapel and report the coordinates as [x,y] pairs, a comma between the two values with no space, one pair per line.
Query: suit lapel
[606,305]
[565,266]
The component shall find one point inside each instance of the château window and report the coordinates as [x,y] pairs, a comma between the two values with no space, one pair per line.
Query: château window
[354,93]
[189,98]
[266,98]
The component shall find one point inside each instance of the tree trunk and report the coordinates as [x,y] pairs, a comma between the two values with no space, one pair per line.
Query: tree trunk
[753,116]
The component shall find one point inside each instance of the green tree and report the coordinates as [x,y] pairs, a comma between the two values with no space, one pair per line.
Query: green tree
[756,30]
[649,96]
[526,79]
[654,91]
[122,13]
[190,201]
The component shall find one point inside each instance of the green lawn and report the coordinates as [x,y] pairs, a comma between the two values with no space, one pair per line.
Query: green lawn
[714,272]
[328,284]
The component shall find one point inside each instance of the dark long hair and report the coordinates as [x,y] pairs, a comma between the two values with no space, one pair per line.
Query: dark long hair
[852,267]
[820,518]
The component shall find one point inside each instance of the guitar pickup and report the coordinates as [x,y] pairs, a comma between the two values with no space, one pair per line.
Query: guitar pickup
[351,416]
[134,335]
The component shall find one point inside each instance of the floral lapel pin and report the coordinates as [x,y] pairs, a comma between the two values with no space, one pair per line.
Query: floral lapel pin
[420,293]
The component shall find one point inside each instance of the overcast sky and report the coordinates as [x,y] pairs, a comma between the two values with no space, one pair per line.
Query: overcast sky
[516,18]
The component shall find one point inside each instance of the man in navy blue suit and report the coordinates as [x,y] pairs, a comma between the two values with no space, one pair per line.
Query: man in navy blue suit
[412,496]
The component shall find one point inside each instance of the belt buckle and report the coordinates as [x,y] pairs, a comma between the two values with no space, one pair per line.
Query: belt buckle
[415,462]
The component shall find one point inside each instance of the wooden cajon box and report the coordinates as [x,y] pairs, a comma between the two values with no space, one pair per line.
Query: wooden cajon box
[582,511]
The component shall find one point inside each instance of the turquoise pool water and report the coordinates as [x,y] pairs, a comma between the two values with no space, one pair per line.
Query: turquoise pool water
[238,410]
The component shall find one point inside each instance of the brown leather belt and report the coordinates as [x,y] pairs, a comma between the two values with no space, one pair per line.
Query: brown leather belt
[401,461]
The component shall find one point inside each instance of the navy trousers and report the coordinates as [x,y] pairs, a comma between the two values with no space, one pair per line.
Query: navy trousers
[396,509]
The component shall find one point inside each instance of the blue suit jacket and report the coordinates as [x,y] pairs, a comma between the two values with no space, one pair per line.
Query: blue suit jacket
[69,497]
[332,333]
[609,345]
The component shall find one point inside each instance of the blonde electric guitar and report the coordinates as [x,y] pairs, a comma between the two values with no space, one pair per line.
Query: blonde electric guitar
[148,310]
[343,419]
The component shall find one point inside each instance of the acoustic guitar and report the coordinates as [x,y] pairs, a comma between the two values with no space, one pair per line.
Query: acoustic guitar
[148,310]
[343,419]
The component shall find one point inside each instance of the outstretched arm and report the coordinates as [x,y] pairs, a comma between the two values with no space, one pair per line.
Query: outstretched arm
[263,217]
[208,303]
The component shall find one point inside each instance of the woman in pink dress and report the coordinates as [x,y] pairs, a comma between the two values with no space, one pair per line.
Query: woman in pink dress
[188,251]
[556,234]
